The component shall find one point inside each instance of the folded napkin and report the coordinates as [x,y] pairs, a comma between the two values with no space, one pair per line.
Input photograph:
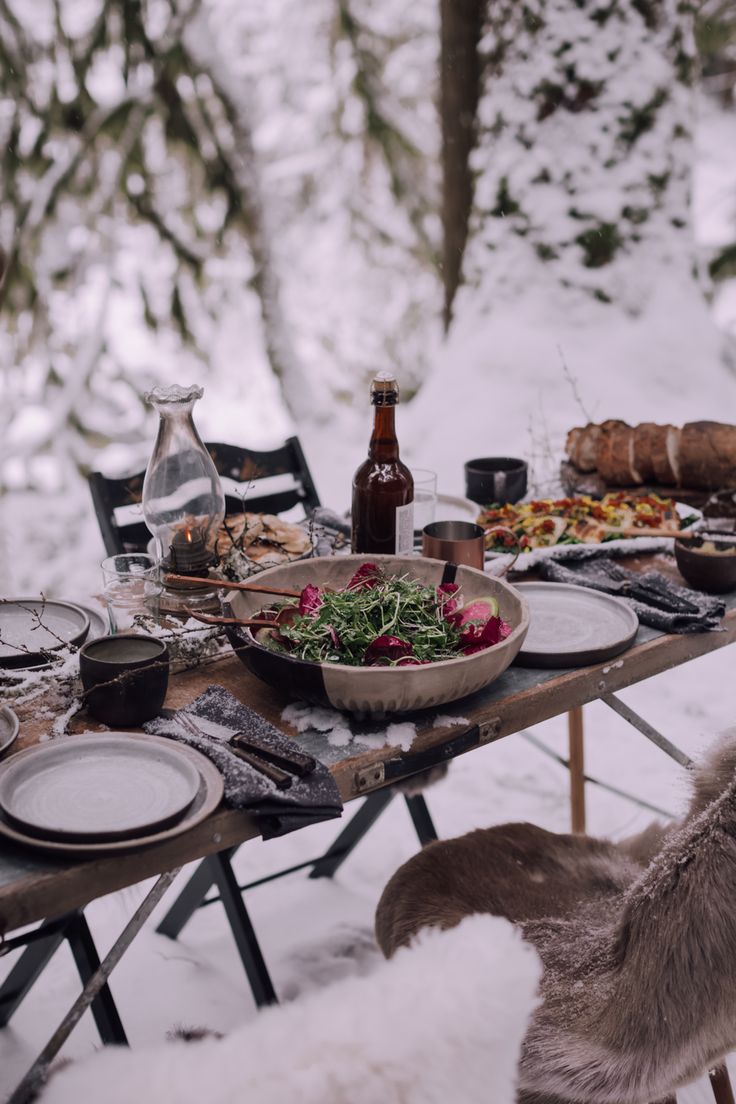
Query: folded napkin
[309,799]
[656,600]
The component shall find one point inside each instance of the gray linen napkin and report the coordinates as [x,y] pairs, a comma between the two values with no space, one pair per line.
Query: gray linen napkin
[656,600]
[309,799]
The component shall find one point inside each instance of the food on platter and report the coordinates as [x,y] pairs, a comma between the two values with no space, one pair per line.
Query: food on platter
[378,620]
[262,539]
[576,520]
[700,456]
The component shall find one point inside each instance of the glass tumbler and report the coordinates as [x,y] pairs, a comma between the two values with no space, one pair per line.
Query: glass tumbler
[425,497]
[132,591]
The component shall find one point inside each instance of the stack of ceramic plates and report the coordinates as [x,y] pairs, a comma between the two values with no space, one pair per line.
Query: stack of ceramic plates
[101,792]
[31,628]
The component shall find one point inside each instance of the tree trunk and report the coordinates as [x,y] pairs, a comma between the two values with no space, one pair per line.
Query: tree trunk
[460,27]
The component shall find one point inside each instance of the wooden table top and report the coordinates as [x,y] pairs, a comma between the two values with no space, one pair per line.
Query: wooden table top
[34,886]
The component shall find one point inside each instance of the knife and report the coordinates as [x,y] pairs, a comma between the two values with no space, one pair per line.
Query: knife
[294,761]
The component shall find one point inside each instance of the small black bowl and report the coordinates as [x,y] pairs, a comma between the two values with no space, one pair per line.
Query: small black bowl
[496,479]
[125,677]
[713,572]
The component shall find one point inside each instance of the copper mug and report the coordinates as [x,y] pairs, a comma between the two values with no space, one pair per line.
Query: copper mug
[458,542]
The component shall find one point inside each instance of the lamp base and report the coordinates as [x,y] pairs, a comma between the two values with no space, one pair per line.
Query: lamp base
[178,598]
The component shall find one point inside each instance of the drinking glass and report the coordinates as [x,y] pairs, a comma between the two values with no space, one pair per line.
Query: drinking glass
[132,590]
[425,497]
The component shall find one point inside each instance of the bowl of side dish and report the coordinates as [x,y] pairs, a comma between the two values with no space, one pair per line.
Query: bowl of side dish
[394,673]
[707,563]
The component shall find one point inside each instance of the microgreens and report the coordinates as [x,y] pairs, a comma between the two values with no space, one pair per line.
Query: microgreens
[348,621]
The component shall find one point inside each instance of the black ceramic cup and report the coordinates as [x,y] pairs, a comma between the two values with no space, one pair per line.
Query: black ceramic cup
[124,677]
[496,479]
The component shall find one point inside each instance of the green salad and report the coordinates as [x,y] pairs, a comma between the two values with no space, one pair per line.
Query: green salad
[380,620]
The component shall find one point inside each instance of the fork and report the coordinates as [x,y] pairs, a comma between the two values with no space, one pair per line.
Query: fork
[279,777]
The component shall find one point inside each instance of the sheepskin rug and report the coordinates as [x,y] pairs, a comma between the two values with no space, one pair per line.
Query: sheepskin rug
[442,1021]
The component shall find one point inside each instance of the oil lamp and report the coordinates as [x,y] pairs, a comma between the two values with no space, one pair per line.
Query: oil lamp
[183,501]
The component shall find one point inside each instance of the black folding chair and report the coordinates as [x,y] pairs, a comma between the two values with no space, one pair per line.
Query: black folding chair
[273,481]
[257,472]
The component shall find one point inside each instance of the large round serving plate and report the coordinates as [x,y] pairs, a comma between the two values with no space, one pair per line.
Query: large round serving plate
[31,627]
[97,787]
[207,799]
[378,689]
[573,626]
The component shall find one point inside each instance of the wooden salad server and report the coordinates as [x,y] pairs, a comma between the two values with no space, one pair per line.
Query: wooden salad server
[226,584]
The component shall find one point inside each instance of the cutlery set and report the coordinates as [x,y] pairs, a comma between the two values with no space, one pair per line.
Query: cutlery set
[279,766]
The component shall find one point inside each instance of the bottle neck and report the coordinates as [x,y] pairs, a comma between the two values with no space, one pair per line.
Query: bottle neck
[383,444]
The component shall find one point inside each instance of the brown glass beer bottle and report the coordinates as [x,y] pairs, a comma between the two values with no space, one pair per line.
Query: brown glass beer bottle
[383,488]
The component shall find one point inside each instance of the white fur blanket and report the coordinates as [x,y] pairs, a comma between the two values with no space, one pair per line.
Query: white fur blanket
[442,1021]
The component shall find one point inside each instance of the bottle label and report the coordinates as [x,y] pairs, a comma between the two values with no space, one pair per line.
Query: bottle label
[405,529]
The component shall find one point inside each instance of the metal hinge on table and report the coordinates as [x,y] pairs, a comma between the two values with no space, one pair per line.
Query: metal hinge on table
[377,774]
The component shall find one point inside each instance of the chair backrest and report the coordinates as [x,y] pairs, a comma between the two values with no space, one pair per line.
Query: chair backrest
[259,477]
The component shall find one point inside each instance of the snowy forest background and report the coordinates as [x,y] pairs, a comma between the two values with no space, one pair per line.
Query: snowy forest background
[276,200]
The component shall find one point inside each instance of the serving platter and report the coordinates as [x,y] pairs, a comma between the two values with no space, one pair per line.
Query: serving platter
[206,800]
[617,545]
[30,627]
[9,726]
[573,626]
[98,786]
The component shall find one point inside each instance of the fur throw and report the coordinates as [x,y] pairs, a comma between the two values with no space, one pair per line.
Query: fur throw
[442,1022]
[638,940]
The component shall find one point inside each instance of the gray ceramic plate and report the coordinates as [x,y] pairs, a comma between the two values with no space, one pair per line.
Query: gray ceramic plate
[8,727]
[97,787]
[30,626]
[208,798]
[98,623]
[572,626]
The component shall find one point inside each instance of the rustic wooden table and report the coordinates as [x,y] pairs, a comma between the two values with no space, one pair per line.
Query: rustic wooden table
[34,886]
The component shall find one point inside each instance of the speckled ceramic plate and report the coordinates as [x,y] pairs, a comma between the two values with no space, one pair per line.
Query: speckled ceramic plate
[31,626]
[209,796]
[572,626]
[8,727]
[98,623]
[98,786]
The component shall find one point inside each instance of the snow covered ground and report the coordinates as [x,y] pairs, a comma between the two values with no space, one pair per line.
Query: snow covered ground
[314,932]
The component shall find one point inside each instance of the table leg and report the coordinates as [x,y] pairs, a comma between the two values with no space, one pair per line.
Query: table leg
[103,1008]
[721,1085]
[353,832]
[32,1080]
[221,873]
[577,768]
[421,819]
[27,970]
[189,899]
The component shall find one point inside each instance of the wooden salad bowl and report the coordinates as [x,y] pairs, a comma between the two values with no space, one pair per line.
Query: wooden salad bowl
[377,689]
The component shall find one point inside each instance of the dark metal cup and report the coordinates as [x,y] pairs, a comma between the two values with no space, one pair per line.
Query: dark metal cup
[496,479]
[459,542]
[125,677]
